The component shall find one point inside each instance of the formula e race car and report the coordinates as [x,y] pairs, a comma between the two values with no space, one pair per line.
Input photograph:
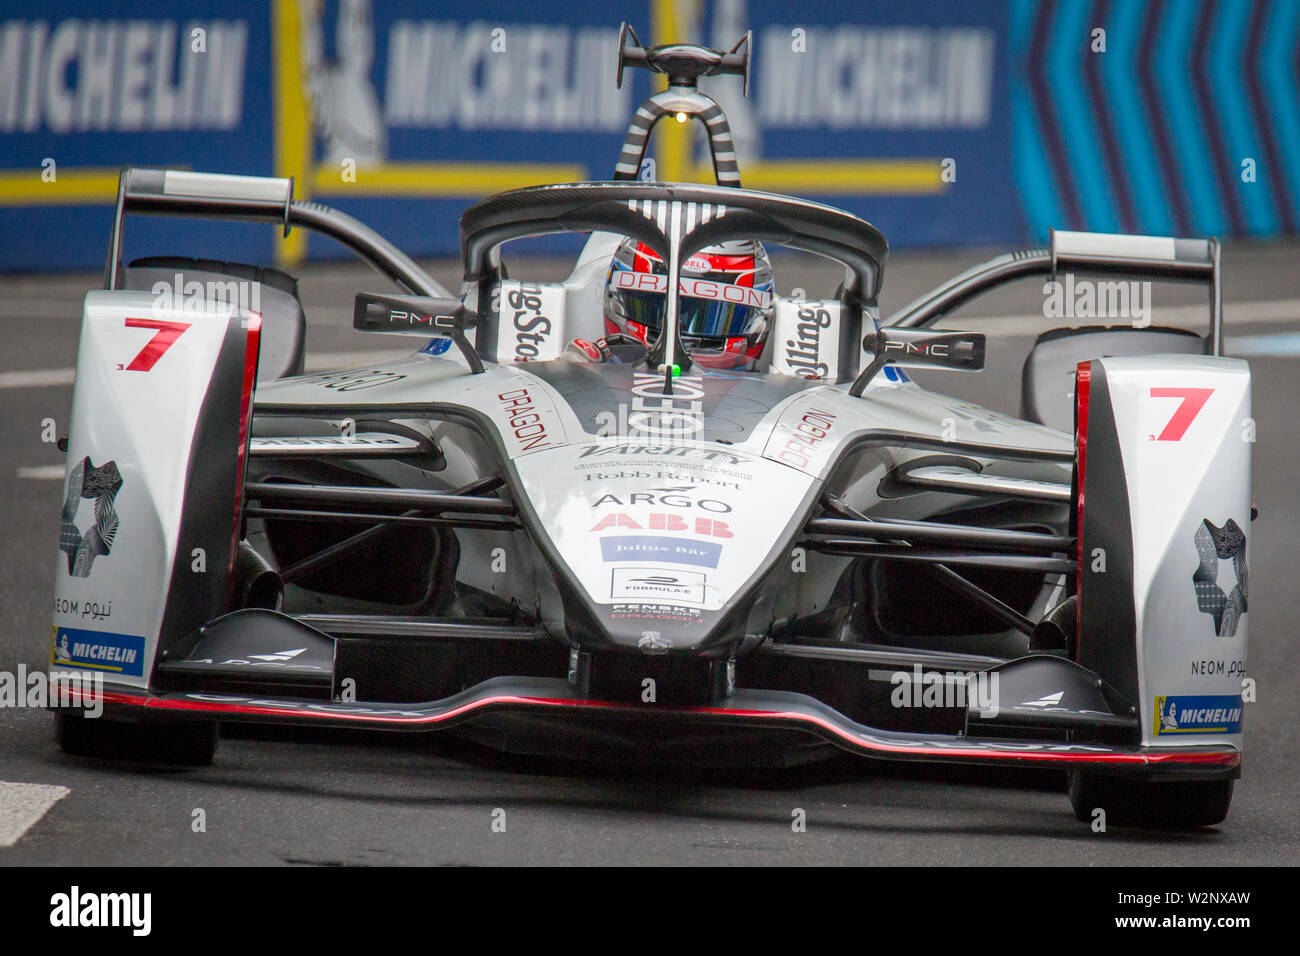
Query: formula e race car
[657,511]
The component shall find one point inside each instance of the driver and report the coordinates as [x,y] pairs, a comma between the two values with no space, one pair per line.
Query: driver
[724,305]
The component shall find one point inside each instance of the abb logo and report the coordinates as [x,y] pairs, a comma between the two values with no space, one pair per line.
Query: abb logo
[165,335]
[706,527]
[1193,400]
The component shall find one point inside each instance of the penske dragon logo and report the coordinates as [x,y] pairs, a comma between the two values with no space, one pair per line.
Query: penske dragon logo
[1213,544]
[101,486]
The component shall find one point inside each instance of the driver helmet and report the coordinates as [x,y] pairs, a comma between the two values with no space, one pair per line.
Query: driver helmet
[724,306]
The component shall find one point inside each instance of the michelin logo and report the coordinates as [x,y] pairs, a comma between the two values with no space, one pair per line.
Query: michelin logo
[98,650]
[1212,714]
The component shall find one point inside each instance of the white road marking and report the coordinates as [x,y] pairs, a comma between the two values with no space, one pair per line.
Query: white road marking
[42,472]
[41,308]
[1194,317]
[22,805]
[1191,317]
[38,378]
[1276,344]
[316,362]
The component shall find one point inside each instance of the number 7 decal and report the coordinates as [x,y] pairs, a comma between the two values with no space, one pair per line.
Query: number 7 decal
[1193,400]
[167,333]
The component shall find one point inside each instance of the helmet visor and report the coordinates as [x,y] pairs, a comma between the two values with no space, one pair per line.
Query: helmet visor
[717,311]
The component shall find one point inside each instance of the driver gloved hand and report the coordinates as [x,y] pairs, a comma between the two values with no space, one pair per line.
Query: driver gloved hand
[619,349]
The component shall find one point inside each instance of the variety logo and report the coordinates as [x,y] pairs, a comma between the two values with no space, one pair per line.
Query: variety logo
[704,554]
[674,451]
[97,650]
[1216,714]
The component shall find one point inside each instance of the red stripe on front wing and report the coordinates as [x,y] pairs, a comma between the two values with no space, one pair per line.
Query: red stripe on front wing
[1223,758]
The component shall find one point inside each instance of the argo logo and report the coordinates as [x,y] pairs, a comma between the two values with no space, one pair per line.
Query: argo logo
[664,497]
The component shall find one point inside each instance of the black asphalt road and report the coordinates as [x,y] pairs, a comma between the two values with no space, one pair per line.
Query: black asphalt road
[276,797]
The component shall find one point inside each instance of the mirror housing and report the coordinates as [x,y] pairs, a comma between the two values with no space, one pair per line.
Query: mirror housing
[417,315]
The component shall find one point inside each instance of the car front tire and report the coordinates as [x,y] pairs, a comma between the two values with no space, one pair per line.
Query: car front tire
[1184,805]
[178,744]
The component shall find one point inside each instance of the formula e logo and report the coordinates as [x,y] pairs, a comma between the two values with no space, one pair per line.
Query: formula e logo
[1213,544]
[686,587]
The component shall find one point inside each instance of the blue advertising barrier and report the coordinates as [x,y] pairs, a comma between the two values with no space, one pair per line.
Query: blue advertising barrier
[942,123]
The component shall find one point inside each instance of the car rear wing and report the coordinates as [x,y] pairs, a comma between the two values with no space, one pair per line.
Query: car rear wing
[178,192]
[1156,257]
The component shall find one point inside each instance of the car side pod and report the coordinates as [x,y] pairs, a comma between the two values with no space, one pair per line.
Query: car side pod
[1162,507]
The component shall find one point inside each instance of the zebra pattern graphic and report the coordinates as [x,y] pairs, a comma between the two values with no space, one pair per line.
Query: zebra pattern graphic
[726,170]
[101,485]
[1212,544]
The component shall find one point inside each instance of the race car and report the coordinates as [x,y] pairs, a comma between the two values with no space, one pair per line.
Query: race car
[657,511]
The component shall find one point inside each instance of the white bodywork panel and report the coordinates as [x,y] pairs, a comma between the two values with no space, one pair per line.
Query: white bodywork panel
[108,609]
[1183,469]
[688,523]
[806,338]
